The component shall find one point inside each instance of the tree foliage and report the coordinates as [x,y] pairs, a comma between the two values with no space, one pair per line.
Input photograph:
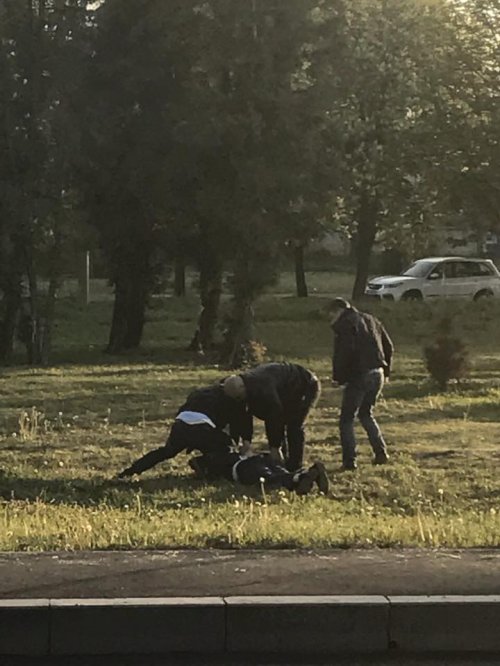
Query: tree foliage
[223,133]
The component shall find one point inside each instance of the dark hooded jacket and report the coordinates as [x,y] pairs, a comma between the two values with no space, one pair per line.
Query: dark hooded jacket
[221,409]
[279,394]
[361,343]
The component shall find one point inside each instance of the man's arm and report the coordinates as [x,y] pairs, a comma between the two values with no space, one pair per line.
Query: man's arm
[275,426]
[241,424]
[343,353]
[388,347]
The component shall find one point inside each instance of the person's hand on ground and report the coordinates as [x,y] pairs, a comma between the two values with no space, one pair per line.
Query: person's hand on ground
[245,448]
[276,455]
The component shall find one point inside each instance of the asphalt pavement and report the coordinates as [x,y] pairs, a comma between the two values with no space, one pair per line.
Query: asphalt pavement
[397,660]
[181,573]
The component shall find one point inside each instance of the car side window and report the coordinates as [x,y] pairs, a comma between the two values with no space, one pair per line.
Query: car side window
[450,269]
[437,272]
[464,269]
[484,270]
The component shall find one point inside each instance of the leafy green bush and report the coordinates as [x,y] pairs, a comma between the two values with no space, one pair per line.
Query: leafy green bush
[447,357]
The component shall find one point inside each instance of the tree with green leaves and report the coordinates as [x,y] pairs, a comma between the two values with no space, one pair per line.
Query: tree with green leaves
[134,88]
[41,51]
[387,112]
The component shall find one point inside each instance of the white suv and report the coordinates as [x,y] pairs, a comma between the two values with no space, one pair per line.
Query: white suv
[439,277]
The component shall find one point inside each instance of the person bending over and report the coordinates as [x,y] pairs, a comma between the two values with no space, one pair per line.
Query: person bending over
[281,394]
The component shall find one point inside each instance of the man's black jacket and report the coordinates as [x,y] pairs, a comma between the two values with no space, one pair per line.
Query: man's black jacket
[361,343]
[221,409]
[280,394]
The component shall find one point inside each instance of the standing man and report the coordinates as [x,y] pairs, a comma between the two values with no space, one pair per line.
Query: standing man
[281,394]
[362,360]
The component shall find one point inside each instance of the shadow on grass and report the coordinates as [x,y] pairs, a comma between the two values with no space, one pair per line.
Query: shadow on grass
[117,493]
[82,355]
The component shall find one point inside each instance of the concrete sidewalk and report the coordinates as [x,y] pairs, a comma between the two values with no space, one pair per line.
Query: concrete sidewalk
[232,603]
[249,572]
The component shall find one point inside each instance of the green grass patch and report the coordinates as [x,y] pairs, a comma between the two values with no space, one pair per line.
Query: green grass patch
[65,431]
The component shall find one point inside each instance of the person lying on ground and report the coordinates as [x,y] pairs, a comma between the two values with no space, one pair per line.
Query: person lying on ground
[198,425]
[282,395]
[260,469]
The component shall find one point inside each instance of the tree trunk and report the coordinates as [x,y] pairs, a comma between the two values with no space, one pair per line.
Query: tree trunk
[365,237]
[118,330]
[300,275]
[45,341]
[12,300]
[129,310]
[136,314]
[210,294]
[179,277]
[239,335]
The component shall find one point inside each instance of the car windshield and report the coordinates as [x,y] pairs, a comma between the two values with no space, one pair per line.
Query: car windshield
[419,269]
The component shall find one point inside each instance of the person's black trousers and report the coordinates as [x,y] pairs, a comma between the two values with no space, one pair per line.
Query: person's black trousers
[184,437]
[262,468]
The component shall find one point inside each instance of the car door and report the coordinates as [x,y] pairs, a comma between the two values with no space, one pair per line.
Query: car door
[434,284]
[475,279]
[457,278]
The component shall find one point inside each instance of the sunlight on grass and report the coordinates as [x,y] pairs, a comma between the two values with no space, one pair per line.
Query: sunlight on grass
[66,431]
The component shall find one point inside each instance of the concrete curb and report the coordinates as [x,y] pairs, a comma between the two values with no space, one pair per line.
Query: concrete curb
[313,625]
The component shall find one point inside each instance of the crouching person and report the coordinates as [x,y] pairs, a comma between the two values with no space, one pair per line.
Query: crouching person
[198,426]
[254,470]
[282,395]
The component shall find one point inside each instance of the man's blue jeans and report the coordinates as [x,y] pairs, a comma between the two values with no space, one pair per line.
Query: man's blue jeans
[359,398]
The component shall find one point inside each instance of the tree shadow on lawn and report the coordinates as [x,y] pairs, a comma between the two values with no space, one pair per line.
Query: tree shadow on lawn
[117,493]
[82,355]
[463,414]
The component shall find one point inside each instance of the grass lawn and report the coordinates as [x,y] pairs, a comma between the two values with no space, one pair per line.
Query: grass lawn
[65,431]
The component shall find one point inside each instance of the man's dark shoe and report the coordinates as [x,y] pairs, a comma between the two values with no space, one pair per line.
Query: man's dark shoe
[123,475]
[322,479]
[197,467]
[306,481]
[350,466]
[381,458]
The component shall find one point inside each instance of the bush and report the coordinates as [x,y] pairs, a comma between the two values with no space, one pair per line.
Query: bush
[447,357]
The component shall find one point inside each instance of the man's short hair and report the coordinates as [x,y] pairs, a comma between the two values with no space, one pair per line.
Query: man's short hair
[234,387]
[341,303]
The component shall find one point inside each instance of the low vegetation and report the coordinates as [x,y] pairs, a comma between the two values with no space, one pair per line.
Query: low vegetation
[65,431]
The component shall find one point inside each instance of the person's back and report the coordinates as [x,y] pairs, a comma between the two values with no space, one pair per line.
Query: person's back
[211,401]
[286,383]
[361,343]
[370,344]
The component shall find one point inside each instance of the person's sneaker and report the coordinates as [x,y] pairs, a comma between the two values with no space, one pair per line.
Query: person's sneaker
[381,458]
[197,468]
[306,481]
[322,479]
[350,466]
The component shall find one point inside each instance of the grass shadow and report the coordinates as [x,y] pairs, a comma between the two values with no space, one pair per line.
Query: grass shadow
[120,493]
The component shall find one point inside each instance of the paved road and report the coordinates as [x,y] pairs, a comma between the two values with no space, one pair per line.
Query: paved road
[226,573]
[397,660]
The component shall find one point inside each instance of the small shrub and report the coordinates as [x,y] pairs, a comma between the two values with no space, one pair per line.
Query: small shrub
[447,357]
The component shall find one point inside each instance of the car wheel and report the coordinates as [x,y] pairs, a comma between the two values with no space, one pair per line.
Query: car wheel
[485,293]
[413,295]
